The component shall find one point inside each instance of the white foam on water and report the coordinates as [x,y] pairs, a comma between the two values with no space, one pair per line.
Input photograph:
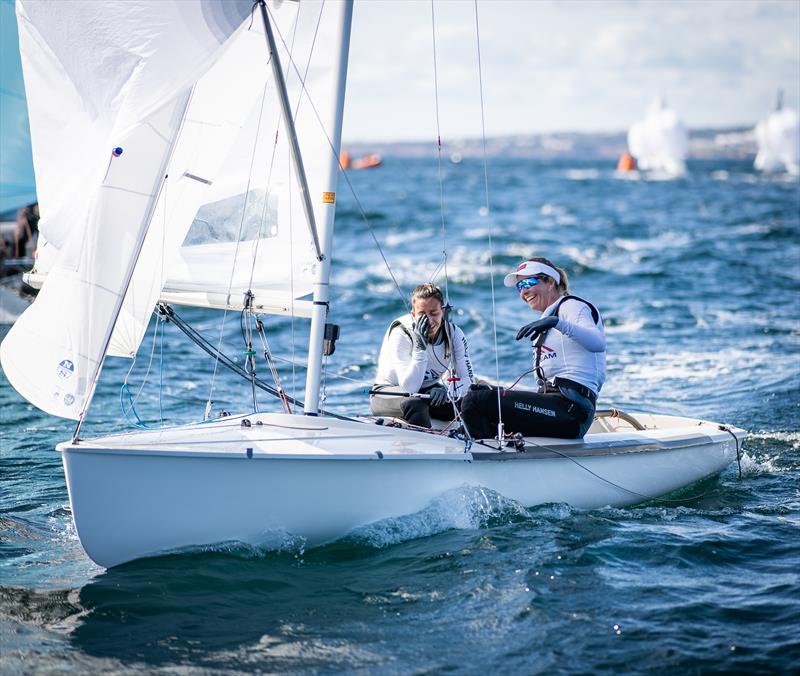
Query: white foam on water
[792,438]
[627,326]
[752,229]
[465,508]
[763,464]
[277,540]
[665,240]
[394,239]
[582,174]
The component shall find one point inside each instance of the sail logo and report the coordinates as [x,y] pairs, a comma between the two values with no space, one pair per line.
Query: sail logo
[548,353]
[65,369]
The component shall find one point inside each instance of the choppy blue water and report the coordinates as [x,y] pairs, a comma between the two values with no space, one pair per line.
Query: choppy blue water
[699,283]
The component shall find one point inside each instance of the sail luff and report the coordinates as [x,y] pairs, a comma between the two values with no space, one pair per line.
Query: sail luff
[322,282]
[288,120]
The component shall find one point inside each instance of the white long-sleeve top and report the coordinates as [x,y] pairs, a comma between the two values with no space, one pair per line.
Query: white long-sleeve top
[399,364]
[575,348]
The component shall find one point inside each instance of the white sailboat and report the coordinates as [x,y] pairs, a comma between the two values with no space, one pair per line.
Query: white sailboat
[778,138]
[659,142]
[160,119]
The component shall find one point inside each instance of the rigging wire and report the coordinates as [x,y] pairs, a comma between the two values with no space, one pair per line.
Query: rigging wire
[271,363]
[125,389]
[488,214]
[197,338]
[163,277]
[443,264]
[359,206]
[235,255]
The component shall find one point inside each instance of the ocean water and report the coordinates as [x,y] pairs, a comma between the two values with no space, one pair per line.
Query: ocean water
[698,280]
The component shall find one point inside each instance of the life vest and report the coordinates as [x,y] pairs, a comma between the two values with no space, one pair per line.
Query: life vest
[543,335]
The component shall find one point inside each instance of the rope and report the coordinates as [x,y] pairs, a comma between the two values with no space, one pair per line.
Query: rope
[727,429]
[622,488]
[125,389]
[500,434]
[247,336]
[235,257]
[270,362]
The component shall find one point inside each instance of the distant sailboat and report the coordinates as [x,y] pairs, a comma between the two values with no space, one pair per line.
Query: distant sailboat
[660,141]
[371,161]
[778,139]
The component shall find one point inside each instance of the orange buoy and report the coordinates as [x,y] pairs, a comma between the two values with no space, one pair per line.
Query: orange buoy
[626,162]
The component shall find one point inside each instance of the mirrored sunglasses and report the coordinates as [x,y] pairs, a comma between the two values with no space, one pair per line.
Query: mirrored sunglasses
[527,283]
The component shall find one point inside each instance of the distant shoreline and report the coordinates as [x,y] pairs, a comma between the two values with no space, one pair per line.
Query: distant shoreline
[731,143]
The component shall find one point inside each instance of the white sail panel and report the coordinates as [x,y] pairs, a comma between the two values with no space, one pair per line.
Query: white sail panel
[218,114]
[779,142]
[53,351]
[99,76]
[253,234]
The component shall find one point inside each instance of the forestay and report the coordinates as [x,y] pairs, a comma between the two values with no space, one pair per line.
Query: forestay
[181,89]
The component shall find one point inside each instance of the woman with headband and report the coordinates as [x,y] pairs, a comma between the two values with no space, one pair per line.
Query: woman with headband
[569,363]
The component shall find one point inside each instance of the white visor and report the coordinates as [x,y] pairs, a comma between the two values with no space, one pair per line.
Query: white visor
[530,268]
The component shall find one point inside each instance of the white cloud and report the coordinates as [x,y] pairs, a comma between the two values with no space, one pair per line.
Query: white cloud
[558,66]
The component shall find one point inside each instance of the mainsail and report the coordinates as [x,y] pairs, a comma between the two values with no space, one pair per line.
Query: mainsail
[659,141]
[154,130]
[778,139]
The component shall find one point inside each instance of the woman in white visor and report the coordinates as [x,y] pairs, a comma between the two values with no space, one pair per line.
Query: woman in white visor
[569,363]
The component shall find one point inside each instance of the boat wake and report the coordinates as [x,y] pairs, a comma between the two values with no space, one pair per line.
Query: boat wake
[466,508]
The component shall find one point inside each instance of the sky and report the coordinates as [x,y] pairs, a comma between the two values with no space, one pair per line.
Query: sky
[570,65]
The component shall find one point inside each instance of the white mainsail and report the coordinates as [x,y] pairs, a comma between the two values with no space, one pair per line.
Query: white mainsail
[251,232]
[127,76]
[660,141]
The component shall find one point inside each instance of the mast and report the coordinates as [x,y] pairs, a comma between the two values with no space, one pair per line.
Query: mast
[288,119]
[328,198]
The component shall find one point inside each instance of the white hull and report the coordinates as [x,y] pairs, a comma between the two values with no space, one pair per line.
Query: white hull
[141,494]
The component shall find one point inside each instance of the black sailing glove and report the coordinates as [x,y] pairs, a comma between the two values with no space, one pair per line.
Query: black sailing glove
[535,328]
[438,395]
[420,333]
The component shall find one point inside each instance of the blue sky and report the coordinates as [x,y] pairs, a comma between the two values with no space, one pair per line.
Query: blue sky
[566,66]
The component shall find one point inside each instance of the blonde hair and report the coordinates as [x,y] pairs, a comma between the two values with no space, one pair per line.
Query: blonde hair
[563,286]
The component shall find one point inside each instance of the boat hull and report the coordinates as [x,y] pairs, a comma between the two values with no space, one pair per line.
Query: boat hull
[129,503]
